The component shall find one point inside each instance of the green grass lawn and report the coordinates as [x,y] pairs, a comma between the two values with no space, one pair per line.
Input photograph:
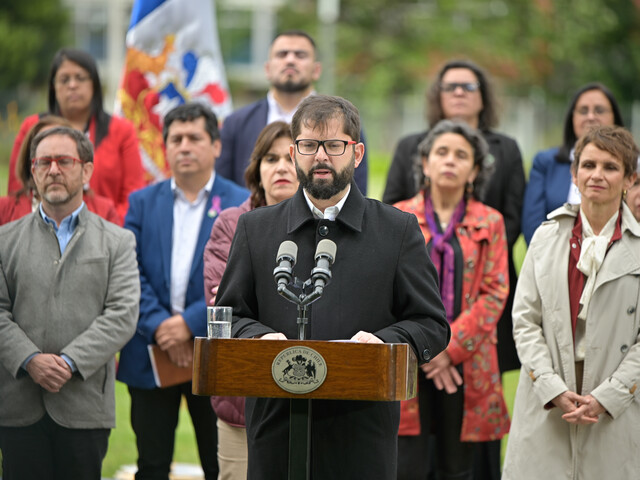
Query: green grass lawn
[4,177]
[122,447]
[122,443]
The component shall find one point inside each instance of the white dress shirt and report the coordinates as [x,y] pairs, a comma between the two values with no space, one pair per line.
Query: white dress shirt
[276,113]
[330,213]
[187,220]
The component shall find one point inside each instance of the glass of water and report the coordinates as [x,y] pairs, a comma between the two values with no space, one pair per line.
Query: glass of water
[219,322]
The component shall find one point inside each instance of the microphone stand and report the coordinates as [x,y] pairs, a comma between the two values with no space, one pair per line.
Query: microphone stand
[300,409]
[302,300]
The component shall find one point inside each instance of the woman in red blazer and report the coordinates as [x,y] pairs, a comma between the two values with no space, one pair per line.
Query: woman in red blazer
[460,398]
[26,199]
[75,93]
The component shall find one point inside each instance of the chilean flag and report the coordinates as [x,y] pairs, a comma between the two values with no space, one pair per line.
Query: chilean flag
[173,57]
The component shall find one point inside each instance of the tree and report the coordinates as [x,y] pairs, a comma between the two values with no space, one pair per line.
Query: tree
[594,40]
[30,33]
[390,48]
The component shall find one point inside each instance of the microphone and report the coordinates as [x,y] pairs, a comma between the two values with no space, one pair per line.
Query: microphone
[325,256]
[286,259]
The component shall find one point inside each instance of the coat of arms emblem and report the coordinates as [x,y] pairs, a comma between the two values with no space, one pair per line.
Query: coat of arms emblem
[299,369]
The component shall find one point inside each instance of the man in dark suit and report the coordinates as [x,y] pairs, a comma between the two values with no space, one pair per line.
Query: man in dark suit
[291,69]
[172,221]
[383,290]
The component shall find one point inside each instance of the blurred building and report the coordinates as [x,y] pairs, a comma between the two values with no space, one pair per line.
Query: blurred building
[99,27]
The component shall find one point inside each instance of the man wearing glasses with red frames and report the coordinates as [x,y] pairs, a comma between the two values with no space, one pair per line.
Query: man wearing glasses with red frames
[69,295]
[291,69]
[383,289]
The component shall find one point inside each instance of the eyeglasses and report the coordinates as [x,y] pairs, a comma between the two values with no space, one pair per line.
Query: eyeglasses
[598,111]
[66,79]
[331,147]
[467,86]
[43,164]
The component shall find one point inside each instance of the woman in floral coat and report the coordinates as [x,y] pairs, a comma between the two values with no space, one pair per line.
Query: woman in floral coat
[460,397]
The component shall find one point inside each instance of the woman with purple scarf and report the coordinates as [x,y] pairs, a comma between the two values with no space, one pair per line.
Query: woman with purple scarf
[460,397]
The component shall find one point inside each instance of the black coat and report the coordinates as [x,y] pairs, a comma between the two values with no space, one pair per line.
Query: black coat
[383,282]
[504,192]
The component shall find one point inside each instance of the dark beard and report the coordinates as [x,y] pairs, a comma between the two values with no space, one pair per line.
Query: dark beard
[290,86]
[323,189]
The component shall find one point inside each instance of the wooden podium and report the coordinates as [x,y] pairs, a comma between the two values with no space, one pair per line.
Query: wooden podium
[254,368]
[355,371]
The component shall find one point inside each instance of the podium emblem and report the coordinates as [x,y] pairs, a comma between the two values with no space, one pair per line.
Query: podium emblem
[299,370]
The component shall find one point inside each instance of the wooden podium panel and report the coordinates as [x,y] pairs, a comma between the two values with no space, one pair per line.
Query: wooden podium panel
[355,371]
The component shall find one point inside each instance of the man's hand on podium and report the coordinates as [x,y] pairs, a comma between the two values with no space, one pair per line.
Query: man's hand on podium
[361,337]
[273,336]
[366,337]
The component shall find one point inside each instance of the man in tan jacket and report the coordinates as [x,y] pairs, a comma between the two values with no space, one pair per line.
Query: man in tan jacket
[69,294]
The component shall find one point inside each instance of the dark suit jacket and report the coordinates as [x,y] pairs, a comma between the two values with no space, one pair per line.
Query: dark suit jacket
[504,192]
[548,189]
[239,133]
[150,218]
[383,282]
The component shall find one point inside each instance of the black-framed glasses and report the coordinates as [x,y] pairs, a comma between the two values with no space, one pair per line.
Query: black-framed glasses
[64,162]
[331,147]
[466,86]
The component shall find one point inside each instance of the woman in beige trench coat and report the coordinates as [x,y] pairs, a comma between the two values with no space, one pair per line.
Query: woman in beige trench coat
[576,328]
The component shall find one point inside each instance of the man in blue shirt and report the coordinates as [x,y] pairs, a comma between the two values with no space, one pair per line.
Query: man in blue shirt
[69,293]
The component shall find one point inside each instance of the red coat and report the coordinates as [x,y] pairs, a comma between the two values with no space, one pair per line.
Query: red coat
[14,207]
[485,286]
[117,167]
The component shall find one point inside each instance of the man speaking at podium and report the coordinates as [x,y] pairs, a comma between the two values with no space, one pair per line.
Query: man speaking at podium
[383,289]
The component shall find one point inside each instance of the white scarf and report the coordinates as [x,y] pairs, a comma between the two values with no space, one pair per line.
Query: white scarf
[592,252]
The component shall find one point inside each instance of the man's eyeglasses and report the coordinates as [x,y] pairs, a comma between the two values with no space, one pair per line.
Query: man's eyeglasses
[65,79]
[467,86]
[43,164]
[598,110]
[331,147]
